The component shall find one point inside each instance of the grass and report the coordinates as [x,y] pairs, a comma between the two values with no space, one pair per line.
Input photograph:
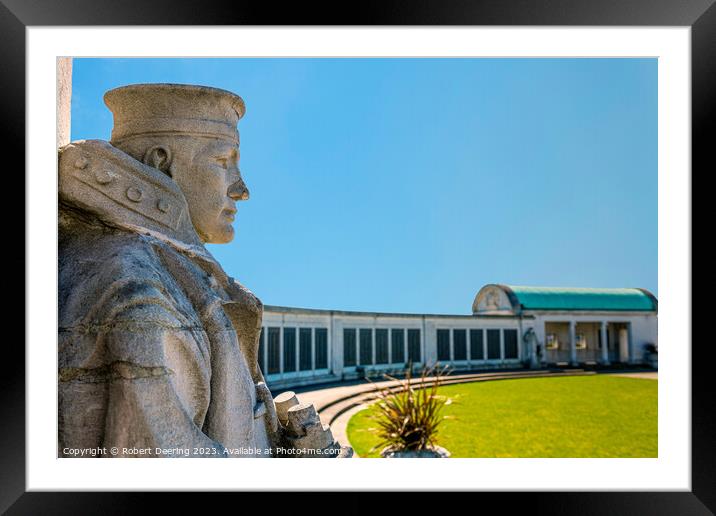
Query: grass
[579,416]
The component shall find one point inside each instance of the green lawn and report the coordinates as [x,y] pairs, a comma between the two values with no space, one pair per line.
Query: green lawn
[578,416]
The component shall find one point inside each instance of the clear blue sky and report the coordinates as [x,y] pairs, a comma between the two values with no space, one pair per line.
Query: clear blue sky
[404,185]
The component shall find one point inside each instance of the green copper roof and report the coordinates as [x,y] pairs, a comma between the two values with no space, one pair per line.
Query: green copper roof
[560,298]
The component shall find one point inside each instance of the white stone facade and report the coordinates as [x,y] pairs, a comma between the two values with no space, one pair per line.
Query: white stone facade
[306,346]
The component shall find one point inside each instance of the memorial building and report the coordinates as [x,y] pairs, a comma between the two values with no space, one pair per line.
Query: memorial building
[510,327]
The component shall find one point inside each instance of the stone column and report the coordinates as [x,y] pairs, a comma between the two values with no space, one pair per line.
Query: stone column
[431,347]
[605,346]
[624,345]
[573,343]
[502,346]
[64,96]
[630,346]
[336,347]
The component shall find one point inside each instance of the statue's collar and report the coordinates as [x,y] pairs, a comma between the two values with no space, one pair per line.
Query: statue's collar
[121,191]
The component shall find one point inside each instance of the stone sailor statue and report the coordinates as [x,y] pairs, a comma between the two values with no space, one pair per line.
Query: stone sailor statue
[157,344]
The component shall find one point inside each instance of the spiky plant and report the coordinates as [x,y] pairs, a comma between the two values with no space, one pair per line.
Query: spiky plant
[409,415]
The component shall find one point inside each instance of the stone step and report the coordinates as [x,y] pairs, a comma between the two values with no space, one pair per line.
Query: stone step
[371,387]
[331,411]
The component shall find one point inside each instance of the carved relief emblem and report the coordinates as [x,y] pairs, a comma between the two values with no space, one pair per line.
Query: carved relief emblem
[492,300]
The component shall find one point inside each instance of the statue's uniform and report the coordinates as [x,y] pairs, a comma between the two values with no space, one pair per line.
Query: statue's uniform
[148,355]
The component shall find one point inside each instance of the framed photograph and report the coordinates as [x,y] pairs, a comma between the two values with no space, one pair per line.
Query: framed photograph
[386,102]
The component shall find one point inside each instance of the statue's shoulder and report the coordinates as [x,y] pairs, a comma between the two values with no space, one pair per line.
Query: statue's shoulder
[104,272]
[86,243]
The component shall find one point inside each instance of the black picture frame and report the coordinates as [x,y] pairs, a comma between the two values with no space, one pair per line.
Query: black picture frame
[16,15]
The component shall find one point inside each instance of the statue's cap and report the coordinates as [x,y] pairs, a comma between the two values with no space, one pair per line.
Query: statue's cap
[174,109]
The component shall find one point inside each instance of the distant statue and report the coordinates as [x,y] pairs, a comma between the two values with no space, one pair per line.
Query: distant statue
[534,348]
[158,346]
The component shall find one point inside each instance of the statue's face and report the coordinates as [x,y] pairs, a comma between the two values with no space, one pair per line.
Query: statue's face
[208,174]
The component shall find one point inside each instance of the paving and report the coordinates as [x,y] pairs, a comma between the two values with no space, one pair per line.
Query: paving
[648,375]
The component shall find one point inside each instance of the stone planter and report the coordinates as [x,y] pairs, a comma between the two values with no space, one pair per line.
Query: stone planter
[435,452]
